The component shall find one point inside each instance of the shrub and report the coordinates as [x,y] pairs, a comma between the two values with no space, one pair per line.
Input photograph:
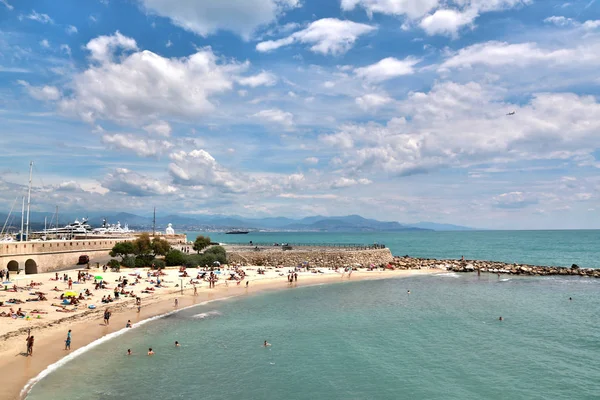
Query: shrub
[114,263]
[128,262]
[174,258]
[143,261]
[159,263]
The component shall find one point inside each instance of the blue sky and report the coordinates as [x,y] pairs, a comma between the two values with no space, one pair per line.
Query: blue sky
[392,109]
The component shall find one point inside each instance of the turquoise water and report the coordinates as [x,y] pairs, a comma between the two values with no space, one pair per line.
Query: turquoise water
[359,340]
[558,248]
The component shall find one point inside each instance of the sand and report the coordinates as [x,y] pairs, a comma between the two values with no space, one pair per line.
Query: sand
[87,325]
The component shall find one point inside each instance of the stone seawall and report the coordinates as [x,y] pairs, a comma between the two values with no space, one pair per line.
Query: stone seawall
[323,257]
[491,266]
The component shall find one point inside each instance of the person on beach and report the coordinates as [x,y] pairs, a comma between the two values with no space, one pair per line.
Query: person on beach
[29,345]
[266,344]
[68,341]
[70,283]
[176,302]
[247,282]
[106,316]
[150,352]
[177,344]
[195,291]
[128,325]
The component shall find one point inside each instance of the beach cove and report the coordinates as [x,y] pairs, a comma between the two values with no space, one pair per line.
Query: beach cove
[87,326]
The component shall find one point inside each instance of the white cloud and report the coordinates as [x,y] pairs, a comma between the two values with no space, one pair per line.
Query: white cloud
[168,44]
[275,115]
[71,30]
[131,183]
[103,48]
[262,79]
[327,36]
[44,93]
[143,86]
[494,54]
[590,25]
[242,17]
[159,128]
[307,196]
[199,168]
[372,101]
[311,160]
[560,21]
[65,48]
[456,125]
[340,140]
[348,182]
[6,3]
[411,8]
[43,18]
[45,43]
[388,68]
[447,21]
[140,146]
[514,200]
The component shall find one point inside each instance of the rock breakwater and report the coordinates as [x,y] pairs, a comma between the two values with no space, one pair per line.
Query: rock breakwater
[492,267]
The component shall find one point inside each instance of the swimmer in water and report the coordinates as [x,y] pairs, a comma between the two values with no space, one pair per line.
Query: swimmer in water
[266,344]
[408,291]
[500,319]
[129,352]
[177,344]
[150,352]
[570,298]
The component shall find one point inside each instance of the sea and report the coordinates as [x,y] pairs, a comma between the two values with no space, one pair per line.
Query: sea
[369,339]
[561,248]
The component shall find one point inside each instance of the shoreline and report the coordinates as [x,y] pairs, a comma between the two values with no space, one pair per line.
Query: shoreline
[16,370]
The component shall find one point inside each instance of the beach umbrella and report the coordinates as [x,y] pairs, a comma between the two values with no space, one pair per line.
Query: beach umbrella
[98,277]
[216,263]
[70,294]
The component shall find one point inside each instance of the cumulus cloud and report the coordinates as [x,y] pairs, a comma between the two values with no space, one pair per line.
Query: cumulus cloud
[275,115]
[207,17]
[460,125]
[143,86]
[348,182]
[44,93]
[560,21]
[327,36]
[514,200]
[411,8]
[140,146]
[311,160]
[373,101]
[199,168]
[159,128]
[388,68]
[262,79]
[124,181]
[497,54]
[71,30]
[447,21]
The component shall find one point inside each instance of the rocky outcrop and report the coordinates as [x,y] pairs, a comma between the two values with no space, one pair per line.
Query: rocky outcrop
[492,267]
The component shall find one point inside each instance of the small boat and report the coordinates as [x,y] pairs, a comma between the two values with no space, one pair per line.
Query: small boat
[237,232]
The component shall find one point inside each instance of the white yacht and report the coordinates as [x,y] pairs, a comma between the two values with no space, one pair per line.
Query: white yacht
[114,229]
[74,228]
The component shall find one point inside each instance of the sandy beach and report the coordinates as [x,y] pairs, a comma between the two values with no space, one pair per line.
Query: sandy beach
[51,327]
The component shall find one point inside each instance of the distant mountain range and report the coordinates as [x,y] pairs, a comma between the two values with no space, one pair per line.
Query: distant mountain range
[349,223]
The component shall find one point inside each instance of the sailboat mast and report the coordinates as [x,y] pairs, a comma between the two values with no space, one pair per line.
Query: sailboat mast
[29,198]
[22,219]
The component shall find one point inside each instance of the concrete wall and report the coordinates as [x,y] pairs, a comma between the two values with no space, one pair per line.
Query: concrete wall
[319,258]
[36,257]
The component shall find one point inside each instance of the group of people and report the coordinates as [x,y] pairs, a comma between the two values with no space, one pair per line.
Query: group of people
[150,350]
[4,273]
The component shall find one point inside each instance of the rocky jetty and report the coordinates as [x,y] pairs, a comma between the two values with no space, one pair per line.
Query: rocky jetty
[492,267]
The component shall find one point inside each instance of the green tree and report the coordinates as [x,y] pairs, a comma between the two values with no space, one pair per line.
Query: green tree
[122,249]
[218,253]
[175,258]
[160,247]
[142,245]
[114,263]
[128,262]
[201,243]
